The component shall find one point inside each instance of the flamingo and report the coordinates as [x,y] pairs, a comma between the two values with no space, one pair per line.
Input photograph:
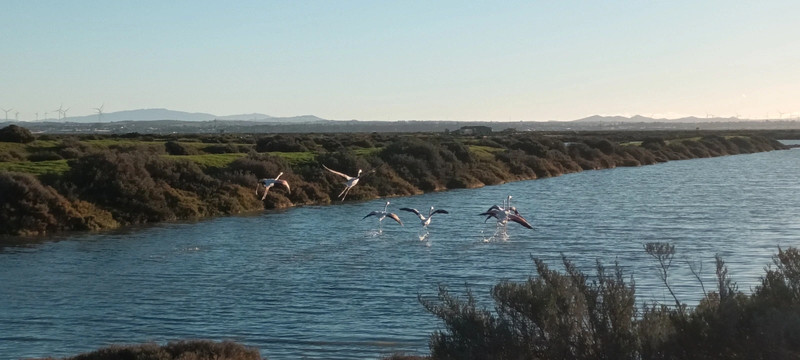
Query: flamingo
[496,208]
[425,221]
[351,181]
[268,183]
[383,214]
[506,213]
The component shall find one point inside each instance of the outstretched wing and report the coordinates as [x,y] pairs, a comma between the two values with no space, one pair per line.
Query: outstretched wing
[494,207]
[285,184]
[413,211]
[489,214]
[440,211]
[370,214]
[520,220]
[395,217]
[337,173]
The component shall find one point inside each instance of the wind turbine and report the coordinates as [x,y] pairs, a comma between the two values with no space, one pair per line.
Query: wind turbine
[16,116]
[65,113]
[59,110]
[37,116]
[7,112]
[100,113]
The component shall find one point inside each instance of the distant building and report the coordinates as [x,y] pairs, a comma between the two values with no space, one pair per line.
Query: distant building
[473,130]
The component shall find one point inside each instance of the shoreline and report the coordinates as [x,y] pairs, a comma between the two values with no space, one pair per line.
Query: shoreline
[120,187]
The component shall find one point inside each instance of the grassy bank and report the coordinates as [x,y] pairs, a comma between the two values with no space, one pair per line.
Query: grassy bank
[65,183]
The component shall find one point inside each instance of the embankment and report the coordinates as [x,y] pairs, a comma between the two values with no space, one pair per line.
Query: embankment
[98,183]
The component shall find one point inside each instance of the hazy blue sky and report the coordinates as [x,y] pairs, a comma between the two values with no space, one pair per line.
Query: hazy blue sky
[382,60]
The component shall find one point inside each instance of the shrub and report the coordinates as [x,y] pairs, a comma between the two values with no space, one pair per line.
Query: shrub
[222,149]
[282,143]
[550,316]
[182,350]
[44,156]
[30,208]
[11,155]
[176,148]
[604,145]
[653,143]
[569,315]
[121,183]
[260,165]
[16,134]
[530,147]
[419,162]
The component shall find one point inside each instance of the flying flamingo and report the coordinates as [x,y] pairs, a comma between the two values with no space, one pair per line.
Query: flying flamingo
[496,209]
[383,214]
[268,183]
[351,181]
[425,221]
[506,213]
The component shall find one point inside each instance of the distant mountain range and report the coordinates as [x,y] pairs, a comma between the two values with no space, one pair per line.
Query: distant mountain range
[166,114]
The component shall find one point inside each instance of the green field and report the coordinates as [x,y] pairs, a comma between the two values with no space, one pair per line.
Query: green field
[36,168]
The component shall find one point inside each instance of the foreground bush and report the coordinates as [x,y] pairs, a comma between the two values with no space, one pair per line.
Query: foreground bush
[183,350]
[570,315]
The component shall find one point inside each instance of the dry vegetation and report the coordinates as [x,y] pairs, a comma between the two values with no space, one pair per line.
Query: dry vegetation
[181,350]
[572,315]
[55,183]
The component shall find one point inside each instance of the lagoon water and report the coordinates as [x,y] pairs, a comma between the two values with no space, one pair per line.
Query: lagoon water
[321,283]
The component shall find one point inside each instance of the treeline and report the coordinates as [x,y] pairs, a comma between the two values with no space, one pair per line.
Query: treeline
[134,179]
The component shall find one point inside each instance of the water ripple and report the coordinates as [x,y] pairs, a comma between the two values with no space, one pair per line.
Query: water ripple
[317,282]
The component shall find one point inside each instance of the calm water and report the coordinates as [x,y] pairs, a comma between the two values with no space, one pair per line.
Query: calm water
[320,283]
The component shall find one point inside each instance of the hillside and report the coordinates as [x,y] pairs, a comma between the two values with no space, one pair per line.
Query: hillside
[166,114]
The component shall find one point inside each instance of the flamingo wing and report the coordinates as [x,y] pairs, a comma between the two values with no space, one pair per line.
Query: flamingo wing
[415,211]
[374,213]
[440,211]
[494,207]
[520,220]
[285,184]
[395,217]
[348,177]
[489,215]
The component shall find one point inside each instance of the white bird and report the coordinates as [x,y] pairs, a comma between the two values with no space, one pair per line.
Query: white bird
[384,214]
[425,221]
[268,183]
[351,181]
[506,213]
[495,208]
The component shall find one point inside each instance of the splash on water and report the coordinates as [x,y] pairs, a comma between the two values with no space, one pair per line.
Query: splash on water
[423,236]
[500,234]
[374,233]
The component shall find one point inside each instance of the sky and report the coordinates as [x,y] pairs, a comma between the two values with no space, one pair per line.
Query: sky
[403,60]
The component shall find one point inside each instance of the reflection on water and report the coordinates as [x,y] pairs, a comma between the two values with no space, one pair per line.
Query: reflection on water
[317,282]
